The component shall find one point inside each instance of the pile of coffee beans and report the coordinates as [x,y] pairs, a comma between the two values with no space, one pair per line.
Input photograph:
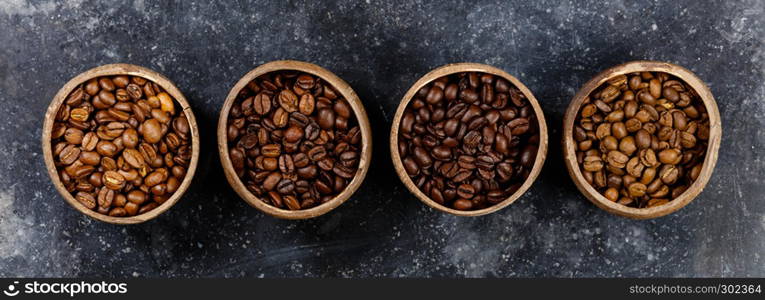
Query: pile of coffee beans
[121,145]
[293,140]
[468,140]
[642,138]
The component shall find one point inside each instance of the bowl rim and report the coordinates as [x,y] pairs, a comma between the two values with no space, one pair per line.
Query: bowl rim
[710,158]
[113,70]
[344,89]
[453,68]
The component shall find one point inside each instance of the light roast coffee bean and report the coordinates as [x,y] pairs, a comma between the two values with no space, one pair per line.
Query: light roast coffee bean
[120,136]
[293,140]
[469,140]
[641,132]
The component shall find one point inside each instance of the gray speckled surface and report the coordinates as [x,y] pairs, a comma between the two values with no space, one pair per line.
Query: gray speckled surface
[380,48]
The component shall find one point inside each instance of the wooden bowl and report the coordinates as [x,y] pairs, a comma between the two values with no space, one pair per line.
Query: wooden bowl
[459,68]
[111,70]
[715,134]
[341,87]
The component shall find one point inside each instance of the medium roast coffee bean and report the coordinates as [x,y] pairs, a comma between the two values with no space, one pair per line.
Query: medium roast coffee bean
[646,127]
[122,130]
[294,139]
[468,139]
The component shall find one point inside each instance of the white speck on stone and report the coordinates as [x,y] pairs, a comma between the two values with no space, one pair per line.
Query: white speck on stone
[654,27]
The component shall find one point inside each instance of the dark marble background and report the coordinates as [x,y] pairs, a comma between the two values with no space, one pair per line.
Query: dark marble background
[381,48]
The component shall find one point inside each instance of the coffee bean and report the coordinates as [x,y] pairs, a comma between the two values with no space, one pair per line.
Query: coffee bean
[106,83]
[670,156]
[288,101]
[617,159]
[291,202]
[343,171]
[411,166]
[349,158]
[285,186]
[611,194]
[459,127]
[656,125]
[105,197]
[271,150]
[466,191]
[301,143]
[86,199]
[635,167]
[280,117]
[326,118]
[69,154]
[422,157]
[119,144]
[286,165]
[463,204]
[306,104]
[593,163]
[113,180]
[305,81]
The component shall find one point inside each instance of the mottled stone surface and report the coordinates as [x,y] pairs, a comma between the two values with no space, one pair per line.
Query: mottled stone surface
[381,48]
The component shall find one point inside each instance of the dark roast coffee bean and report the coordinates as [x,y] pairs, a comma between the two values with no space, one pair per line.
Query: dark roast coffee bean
[459,128]
[304,135]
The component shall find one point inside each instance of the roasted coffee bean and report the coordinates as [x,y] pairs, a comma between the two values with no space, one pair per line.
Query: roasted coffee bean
[342,109]
[466,191]
[271,150]
[466,161]
[86,199]
[617,159]
[411,166]
[460,127]
[288,100]
[286,165]
[285,186]
[293,134]
[670,156]
[326,164]
[326,118]
[317,153]
[119,144]
[280,117]
[463,204]
[300,160]
[90,158]
[593,163]
[308,172]
[422,157]
[69,154]
[113,180]
[306,104]
[343,171]
[291,202]
[611,194]
[656,125]
[133,158]
[635,167]
[105,197]
[299,145]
